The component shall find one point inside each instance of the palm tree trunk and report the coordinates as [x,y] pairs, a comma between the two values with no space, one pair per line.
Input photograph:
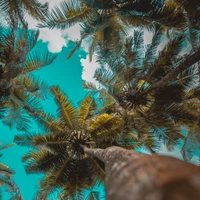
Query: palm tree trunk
[188,62]
[134,176]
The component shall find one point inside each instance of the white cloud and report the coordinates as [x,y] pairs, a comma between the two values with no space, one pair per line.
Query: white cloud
[90,67]
[176,153]
[147,37]
[56,39]
[89,70]
[52,3]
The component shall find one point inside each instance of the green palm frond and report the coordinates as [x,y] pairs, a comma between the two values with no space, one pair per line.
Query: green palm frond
[150,54]
[15,114]
[66,15]
[170,137]
[93,195]
[138,47]
[5,170]
[36,61]
[106,127]
[150,143]
[77,46]
[89,86]
[131,18]
[33,86]
[86,110]
[26,139]
[52,143]
[47,121]
[7,182]
[73,175]
[191,144]
[66,112]
[41,161]
[2,147]
[32,7]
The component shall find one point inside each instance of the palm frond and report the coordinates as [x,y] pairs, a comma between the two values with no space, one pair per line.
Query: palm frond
[89,86]
[66,15]
[26,139]
[86,110]
[33,86]
[36,61]
[191,144]
[73,175]
[40,161]
[150,54]
[48,122]
[106,127]
[66,111]
[17,116]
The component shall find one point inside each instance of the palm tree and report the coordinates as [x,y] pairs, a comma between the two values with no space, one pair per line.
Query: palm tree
[131,175]
[19,90]
[107,22]
[33,7]
[57,152]
[129,75]
[191,8]
[6,180]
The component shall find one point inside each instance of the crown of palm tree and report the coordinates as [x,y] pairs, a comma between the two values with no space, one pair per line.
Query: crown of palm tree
[130,72]
[58,154]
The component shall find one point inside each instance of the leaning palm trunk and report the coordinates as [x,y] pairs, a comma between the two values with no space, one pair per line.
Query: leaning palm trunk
[188,62]
[134,176]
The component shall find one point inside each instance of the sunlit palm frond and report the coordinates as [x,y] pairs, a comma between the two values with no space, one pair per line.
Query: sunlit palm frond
[89,86]
[47,122]
[86,110]
[66,111]
[106,127]
[36,61]
[26,139]
[77,46]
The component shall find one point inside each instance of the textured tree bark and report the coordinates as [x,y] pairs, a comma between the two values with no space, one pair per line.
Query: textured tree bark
[188,62]
[134,176]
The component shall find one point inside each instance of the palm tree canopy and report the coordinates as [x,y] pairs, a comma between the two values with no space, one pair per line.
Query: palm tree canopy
[134,69]
[33,7]
[58,154]
[19,90]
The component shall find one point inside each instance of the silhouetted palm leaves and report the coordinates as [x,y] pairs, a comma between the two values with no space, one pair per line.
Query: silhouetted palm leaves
[6,180]
[107,23]
[19,90]
[33,7]
[158,113]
